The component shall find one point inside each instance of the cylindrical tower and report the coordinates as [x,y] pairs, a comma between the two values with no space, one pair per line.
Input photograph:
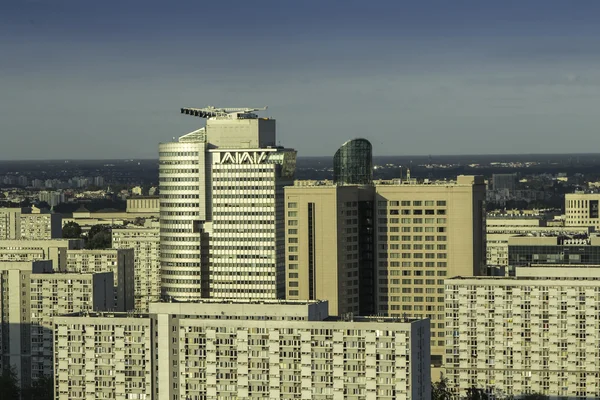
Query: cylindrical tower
[353,163]
[183,213]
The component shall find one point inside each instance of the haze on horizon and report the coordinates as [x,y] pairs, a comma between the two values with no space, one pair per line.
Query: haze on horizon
[105,80]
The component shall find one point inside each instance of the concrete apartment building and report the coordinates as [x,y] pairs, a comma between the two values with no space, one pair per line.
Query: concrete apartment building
[118,261]
[31,294]
[54,250]
[420,235]
[223,350]
[145,241]
[224,184]
[24,224]
[537,332]
[581,209]
[500,227]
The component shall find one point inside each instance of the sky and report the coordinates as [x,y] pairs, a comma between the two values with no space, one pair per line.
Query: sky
[83,79]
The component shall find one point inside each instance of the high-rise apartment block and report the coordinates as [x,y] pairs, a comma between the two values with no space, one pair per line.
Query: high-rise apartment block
[222,208]
[145,241]
[23,224]
[30,295]
[537,332]
[581,209]
[213,350]
[118,261]
[391,245]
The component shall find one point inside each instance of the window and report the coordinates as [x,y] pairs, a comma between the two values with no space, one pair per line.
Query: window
[417,203]
[292,213]
[292,205]
[405,203]
[292,231]
[441,203]
[293,222]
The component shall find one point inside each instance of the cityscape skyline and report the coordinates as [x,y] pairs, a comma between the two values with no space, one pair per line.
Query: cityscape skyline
[436,78]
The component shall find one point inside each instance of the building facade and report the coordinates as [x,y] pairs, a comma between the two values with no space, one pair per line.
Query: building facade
[330,246]
[222,186]
[581,209]
[35,250]
[259,350]
[31,294]
[118,261]
[22,224]
[145,241]
[499,228]
[537,332]
[581,249]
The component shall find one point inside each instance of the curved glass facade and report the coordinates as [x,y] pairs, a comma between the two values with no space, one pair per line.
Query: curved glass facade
[353,163]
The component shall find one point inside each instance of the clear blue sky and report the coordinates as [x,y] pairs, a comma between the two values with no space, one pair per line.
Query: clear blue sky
[106,79]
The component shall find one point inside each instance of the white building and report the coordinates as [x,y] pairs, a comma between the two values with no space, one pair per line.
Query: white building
[118,261]
[22,224]
[145,242]
[538,332]
[262,350]
[224,184]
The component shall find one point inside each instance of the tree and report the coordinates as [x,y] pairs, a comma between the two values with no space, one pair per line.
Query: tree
[71,230]
[9,384]
[535,396]
[99,237]
[474,393]
[440,391]
[42,389]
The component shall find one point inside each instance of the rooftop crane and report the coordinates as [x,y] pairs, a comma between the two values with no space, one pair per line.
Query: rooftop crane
[211,111]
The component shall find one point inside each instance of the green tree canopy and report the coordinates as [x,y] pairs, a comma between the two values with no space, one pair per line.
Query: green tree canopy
[99,237]
[9,384]
[71,230]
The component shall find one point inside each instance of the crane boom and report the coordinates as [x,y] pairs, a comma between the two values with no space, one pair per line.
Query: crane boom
[212,112]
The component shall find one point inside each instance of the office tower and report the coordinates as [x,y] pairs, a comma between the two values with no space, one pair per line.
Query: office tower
[36,250]
[500,227]
[353,163]
[30,295]
[581,209]
[118,261]
[145,242]
[391,244]
[329,246]
[22,224]
[270,349]
[223,185]
[426,233]
[537,332]
[504,182]
[578,249]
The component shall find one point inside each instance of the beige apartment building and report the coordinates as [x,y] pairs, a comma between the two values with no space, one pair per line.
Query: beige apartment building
[54,250]
[581,209]
[118,261]
[31,294]
[421,234]
[240,349]
[23,224]
[145,241]
[538,332]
